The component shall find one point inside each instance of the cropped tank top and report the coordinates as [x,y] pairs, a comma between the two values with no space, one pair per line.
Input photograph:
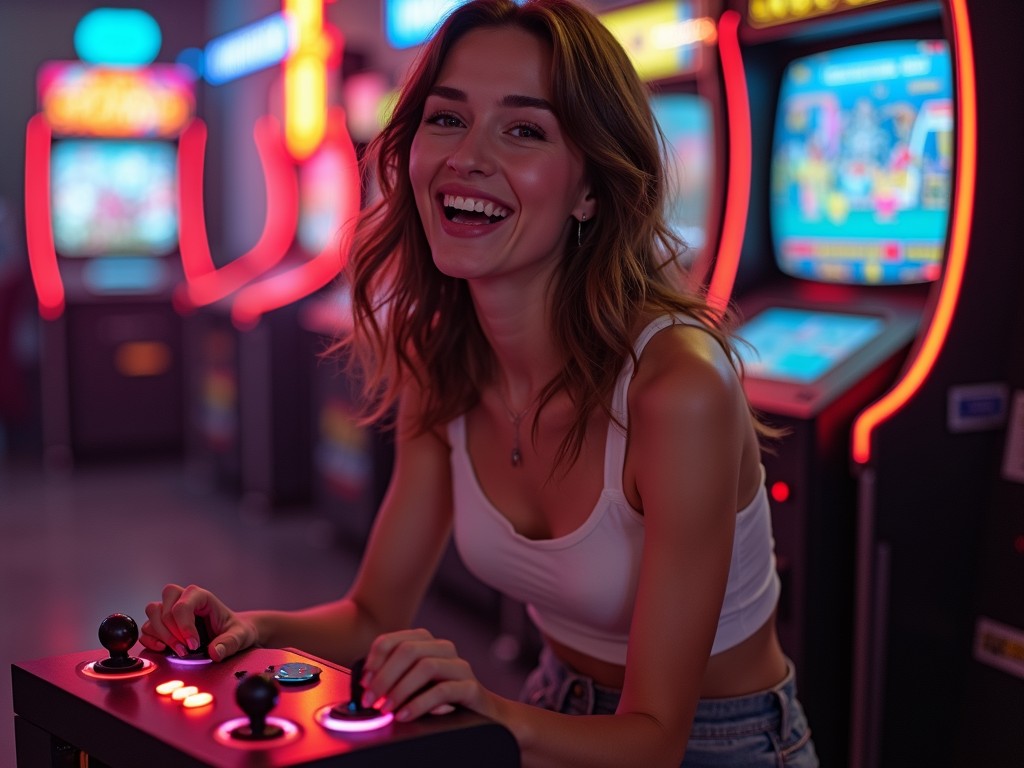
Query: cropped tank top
[580,588]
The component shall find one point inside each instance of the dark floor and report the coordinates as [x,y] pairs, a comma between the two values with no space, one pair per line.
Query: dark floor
[77,546]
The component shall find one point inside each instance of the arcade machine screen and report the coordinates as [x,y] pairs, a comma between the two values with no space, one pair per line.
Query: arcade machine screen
[686,122]
[862,163]
[114,198]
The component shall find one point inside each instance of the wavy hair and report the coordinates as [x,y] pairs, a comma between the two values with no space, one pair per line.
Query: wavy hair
[409,319]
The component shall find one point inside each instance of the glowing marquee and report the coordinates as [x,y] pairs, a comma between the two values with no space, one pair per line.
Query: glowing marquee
[664,38]
[80,99]
[769,13]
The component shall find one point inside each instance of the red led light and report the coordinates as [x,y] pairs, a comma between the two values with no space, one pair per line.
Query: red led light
[780,491]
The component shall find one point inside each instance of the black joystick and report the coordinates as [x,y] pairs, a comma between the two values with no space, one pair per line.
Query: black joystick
[257,695]
[118,633]
[203,650]
[353,709]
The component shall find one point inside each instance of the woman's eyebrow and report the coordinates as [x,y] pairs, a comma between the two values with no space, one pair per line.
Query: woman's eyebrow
[455,94]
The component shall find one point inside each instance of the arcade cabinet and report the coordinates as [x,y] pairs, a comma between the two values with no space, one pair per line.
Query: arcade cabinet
[101,200]
[938,576]
[851,148]
[352,462]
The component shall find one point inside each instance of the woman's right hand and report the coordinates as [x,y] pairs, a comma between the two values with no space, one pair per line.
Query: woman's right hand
[171,623]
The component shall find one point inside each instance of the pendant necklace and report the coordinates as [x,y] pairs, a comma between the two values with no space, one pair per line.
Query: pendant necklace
[516,419]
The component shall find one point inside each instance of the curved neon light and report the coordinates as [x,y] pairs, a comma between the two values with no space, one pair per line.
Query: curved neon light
[42,254]
[192,242]
[737,195]
[960,232]
[204,283]
[282,289]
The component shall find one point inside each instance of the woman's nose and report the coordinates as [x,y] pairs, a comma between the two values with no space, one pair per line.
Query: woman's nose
[473,153]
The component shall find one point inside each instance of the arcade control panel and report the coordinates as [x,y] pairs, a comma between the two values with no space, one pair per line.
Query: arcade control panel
[264,707]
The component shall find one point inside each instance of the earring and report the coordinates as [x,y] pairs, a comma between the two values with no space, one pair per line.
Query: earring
[579,229]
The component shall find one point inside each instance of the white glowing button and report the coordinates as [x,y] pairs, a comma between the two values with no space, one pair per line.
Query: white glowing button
[183,693]
[200,699]
[166,689]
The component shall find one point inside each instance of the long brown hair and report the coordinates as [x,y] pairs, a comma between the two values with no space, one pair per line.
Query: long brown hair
[410,319]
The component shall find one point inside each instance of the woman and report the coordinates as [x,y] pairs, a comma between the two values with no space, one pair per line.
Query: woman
[576,420]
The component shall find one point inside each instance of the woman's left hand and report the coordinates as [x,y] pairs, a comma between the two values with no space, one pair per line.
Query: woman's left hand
[415,673]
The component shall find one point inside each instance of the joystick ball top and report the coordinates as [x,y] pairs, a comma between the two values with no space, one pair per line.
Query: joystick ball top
[256,695]
[118,633]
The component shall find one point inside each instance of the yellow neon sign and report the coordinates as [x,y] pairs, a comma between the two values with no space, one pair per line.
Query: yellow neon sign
[305,79]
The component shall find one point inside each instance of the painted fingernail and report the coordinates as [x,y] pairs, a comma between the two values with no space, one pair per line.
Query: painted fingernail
[193,643]
[220,650]
[403,715]
[367,700]
[179,649]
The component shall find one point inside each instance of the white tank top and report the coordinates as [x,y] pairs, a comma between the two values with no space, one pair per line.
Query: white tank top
[580,588]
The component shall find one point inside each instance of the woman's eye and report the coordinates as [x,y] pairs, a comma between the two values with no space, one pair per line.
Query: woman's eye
[527,131]
[444,120]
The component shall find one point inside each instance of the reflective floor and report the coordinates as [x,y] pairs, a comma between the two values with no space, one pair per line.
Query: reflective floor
[77,546]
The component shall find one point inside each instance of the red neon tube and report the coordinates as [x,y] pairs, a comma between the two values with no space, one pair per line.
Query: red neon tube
[42,254]
[192,241]
[282,289]
[960,233]
[737,195]
[206,284]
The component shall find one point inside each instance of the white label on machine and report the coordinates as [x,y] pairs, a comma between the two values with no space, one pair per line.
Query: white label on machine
[999,646]
[1013,451]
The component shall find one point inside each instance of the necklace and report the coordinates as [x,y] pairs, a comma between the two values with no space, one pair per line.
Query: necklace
[516,419]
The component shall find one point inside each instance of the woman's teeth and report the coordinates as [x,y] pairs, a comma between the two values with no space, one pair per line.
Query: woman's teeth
[457,203]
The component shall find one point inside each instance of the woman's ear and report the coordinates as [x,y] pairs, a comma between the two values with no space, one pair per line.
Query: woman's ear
[586,209]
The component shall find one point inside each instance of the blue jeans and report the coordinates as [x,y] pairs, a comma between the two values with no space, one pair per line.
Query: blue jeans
[766,729]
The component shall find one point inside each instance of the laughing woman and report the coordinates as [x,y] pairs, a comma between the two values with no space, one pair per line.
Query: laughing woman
[570,414]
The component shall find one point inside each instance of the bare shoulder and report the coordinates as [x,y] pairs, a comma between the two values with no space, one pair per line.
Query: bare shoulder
[684,369]
[690,425]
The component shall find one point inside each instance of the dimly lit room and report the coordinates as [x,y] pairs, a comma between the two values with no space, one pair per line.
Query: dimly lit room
[383,380]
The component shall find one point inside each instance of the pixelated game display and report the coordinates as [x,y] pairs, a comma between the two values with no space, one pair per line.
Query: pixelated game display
[862,163]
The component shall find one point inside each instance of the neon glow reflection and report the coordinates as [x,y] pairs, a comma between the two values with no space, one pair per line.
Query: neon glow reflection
[323,716]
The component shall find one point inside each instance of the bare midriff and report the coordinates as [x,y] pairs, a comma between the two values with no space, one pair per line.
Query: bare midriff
[756,664]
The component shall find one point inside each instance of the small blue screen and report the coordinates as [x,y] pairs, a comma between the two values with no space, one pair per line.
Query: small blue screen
[801,345]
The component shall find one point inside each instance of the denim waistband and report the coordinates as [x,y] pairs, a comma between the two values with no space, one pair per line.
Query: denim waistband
[556,686]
